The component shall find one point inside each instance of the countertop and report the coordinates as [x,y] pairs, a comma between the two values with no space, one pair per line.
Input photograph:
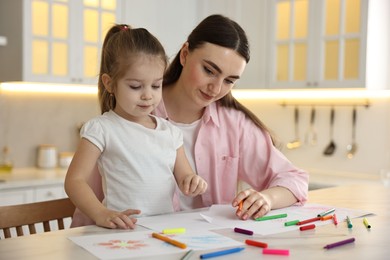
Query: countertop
[27,177]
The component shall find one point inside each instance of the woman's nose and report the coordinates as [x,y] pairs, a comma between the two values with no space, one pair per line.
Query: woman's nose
[215,86]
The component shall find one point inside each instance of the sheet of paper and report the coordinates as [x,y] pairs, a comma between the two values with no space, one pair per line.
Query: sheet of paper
[191,221]
[224,216]
[124,245]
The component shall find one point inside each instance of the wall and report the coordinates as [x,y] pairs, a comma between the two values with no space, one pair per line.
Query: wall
[29,120]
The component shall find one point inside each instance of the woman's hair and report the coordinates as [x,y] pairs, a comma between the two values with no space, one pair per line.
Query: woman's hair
[224,32]
[121,46]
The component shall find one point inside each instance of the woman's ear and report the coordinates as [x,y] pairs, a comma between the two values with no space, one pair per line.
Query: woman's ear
[183,53]
[106,79]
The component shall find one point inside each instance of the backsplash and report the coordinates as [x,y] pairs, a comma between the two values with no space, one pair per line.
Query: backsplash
[26,121]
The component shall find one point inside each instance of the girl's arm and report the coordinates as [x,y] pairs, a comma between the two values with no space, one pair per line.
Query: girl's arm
[188,181]
[81,194]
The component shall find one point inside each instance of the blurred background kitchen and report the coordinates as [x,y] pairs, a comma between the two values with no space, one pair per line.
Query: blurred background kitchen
[307,58]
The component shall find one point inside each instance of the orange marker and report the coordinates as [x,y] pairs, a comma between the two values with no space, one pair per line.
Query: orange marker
[169,240]
[326,217]
[240,205]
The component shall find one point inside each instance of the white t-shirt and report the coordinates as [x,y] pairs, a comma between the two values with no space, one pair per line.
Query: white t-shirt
[190,132]
[136,162]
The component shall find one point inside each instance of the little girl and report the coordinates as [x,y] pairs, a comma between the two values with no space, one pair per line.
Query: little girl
[139,156]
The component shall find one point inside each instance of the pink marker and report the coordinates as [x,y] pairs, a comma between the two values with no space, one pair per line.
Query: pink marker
[269,251]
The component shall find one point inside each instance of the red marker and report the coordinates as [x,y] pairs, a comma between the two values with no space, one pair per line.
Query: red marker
[308,220]
[307,227]
[256,243]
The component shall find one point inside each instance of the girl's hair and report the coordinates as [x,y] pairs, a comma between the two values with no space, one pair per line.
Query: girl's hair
[121,45]
[224,32]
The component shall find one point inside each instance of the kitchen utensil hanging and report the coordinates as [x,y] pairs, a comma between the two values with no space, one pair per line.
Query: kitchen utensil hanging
[311,133]
[296,142]
[352,147]
[331,147]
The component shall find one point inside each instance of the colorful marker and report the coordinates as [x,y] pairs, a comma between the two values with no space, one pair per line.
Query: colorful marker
[271,217]
[291,223]
[169,240]
[335,221]
[187,255]
[349,222]
[240,205]
[308,220]
[326,217]
[174,231]
[365,222]
[243,231]
[327,212]
[340,243]
[222,252]
[269,251]
[307,227]
[256,243]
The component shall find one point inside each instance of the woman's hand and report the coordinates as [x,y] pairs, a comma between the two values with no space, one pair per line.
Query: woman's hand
[255,204]
[193,185]
[115,219]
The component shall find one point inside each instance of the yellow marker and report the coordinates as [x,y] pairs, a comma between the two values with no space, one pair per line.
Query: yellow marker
[365,221]
[174,231]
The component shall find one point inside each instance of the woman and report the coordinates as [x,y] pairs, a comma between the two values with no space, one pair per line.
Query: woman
[224,141]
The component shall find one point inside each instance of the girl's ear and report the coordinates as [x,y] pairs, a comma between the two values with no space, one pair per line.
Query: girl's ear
[106,79]
[183,53]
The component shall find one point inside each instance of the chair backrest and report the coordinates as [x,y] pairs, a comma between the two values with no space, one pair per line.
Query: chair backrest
[17,216]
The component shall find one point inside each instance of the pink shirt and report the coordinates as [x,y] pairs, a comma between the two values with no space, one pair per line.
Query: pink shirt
[231,147]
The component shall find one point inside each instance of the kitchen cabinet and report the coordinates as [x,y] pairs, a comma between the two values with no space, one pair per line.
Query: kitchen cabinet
[54,40]
[317,43]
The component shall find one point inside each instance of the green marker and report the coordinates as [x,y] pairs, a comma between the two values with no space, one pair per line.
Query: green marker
[349,222]
[291,223]
[271,217]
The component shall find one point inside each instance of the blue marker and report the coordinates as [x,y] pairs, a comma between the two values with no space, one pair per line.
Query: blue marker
[222,252]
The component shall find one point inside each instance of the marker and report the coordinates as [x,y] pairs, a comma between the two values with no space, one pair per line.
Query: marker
[174,231]
[291,223]
[326,212]
[335,219]
[326,217]
[240,205]
[340,243]
[243,231]
[349,222]
[308,220]
[365,222]
[187,255]
[222,252]
[268,251]
[256,243]
[271,217]
[169,240]
[307,227]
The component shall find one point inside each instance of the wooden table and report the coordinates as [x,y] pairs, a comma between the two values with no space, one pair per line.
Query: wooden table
[370,244]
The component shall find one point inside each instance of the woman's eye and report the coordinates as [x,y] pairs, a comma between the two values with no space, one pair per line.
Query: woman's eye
[228,81]
[208,71]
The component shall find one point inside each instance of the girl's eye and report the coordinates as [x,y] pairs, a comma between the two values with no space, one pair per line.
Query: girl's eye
[156,86]
[135,87]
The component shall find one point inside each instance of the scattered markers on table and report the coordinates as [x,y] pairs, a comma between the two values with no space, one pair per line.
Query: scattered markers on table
[365,222]
[222,252]
[340,243]
[243,231]
[271,217]
[349,222]
[327,212]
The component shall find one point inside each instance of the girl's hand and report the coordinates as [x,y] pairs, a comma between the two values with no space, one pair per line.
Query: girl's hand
[193,185]
[115,219]
[255,204]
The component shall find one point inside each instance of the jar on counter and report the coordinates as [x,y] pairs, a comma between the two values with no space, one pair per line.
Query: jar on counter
[65,159]
[47,156]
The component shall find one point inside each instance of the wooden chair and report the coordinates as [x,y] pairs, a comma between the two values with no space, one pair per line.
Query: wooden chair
[17,216]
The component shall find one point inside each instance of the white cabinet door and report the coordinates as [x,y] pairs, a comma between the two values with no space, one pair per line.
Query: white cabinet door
[49,193]
[317,43]
[16,196]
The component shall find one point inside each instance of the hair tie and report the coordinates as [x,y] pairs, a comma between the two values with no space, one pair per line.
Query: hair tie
[124,28]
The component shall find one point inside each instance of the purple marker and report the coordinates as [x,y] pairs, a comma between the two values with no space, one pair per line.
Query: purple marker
[340,243]
[243,231]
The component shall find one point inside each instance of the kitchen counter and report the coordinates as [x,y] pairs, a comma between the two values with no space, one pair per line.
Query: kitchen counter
[28,177]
